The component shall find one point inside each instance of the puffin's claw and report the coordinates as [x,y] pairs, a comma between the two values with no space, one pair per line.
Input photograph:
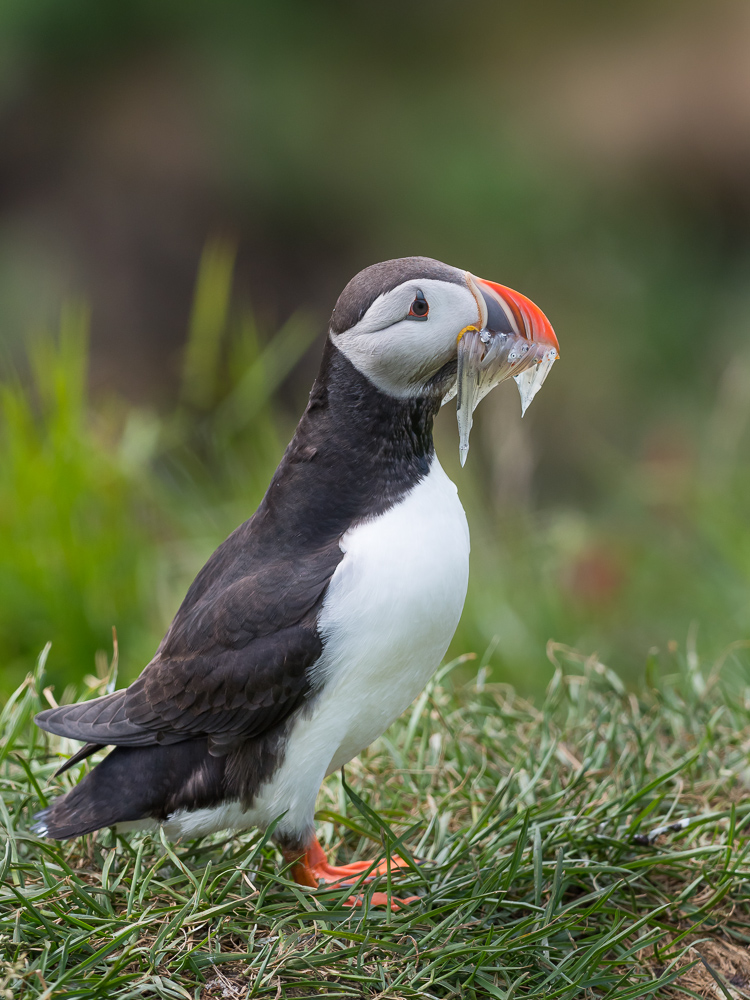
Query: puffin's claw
[312,868]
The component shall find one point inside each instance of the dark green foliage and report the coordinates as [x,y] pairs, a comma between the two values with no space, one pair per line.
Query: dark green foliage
[73,517]
[97,502]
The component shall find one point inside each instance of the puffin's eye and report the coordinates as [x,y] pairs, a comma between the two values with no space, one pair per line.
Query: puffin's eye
[419,307]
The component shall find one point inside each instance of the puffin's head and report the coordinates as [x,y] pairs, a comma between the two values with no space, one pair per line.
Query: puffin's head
[416,327]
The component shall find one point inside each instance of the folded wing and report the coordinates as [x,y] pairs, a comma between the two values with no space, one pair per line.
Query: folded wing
[235,662]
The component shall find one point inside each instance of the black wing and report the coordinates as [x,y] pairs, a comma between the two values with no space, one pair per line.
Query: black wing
[235,661]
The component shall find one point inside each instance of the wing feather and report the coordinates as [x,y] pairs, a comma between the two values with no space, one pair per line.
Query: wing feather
[235,661]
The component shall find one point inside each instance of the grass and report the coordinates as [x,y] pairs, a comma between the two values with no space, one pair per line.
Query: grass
[595,845]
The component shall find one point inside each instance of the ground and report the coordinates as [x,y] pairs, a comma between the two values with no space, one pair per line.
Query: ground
[592,845]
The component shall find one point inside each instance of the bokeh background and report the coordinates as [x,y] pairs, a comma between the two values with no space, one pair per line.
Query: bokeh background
[185,187]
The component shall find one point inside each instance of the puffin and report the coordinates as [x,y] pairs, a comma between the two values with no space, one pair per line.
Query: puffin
[322,617]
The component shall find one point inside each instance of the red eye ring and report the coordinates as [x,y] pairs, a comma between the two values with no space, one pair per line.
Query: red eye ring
[420,308]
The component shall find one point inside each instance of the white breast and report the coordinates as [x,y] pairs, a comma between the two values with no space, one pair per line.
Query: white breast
[391,609]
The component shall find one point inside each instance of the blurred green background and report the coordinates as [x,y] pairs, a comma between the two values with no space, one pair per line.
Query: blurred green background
[186,187]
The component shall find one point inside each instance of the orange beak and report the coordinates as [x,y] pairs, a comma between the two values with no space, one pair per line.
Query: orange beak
[511,312]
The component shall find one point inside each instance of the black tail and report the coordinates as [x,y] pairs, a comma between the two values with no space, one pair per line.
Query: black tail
[134,783]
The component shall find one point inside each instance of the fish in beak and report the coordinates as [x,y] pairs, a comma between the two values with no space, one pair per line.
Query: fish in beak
[513,338]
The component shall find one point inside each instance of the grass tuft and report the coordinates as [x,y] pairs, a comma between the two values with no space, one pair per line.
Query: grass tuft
[594,845]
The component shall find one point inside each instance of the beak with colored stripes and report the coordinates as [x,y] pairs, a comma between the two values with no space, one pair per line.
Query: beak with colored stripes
[512,339]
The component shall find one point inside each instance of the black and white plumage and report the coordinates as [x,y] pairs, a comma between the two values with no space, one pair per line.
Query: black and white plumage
[317,622]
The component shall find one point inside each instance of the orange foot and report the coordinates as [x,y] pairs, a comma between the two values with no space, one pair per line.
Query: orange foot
[312,868]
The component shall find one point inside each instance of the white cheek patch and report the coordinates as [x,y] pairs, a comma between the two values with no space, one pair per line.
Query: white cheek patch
[398,354]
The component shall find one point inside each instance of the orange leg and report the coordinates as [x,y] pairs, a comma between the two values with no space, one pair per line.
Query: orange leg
[312,868]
